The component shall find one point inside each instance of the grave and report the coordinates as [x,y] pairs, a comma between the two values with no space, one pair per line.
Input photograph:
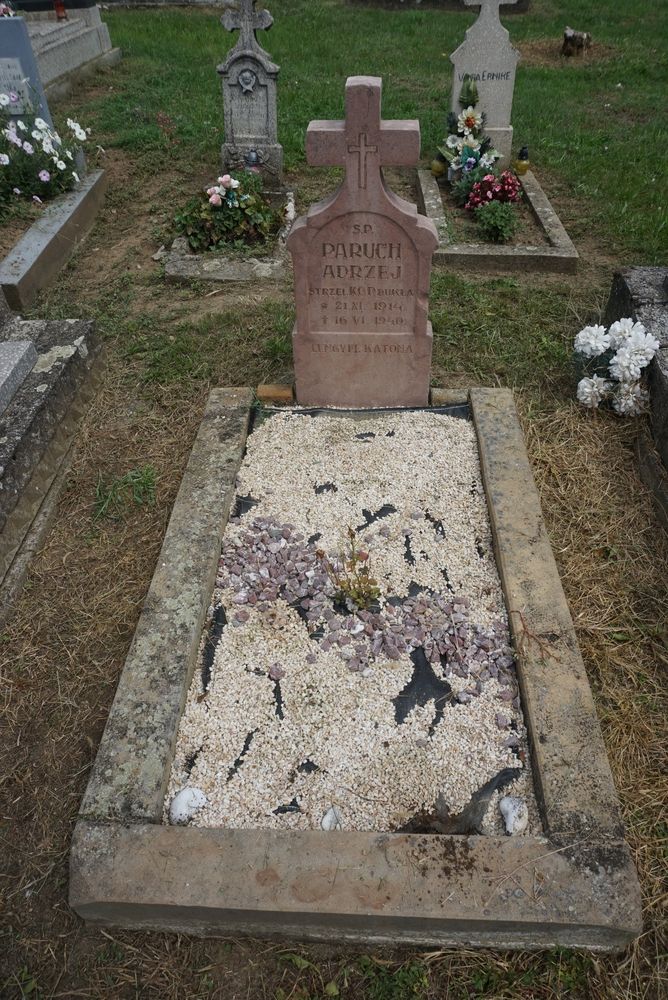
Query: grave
[70,49]
[245,612]
[249,94]
[45,386]
[488,58]
[642,294]
[362,262]
[45,248]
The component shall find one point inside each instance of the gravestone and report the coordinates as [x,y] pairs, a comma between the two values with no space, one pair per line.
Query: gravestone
[249,93]
[19,74]
[362,261]
[487,56]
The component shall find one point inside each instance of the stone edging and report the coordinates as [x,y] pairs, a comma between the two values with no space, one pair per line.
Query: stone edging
[42,252]
[575,887]
[560,256]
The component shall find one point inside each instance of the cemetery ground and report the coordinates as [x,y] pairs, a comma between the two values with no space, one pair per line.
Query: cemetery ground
[158,116]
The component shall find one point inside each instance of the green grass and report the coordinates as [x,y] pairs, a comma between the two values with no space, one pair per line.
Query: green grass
[112,498]
[603,143]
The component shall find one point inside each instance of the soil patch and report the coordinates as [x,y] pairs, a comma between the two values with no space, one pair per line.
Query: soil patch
[547,52]
[465,229]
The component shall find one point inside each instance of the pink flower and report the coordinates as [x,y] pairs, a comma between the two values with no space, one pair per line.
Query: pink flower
[45,176]
[28,148]
[226,181]
[215,199]
[13,96]
[211,191]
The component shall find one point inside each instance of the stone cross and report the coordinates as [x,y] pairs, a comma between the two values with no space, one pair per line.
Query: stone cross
[246,20]
[363,143]
[249,80]
[488,57]
[489,9]
[362,261]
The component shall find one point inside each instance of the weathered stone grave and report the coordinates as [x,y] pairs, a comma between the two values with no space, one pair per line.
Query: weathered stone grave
[287,871]
[488,58]
[362,262]
[642,294]
[44,388]
[249,94]
[70,49]
[46,247]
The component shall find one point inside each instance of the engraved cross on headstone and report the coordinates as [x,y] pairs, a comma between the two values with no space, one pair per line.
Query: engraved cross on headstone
[363,143]
[243,17]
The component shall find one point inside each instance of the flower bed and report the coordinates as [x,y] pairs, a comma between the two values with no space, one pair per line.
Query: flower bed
[314,707]
[232,232]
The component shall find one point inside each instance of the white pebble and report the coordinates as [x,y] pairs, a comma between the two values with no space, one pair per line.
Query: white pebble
[332,820]
[185,804]
[515,814]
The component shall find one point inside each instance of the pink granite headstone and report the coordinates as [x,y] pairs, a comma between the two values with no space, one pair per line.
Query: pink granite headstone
[362,261]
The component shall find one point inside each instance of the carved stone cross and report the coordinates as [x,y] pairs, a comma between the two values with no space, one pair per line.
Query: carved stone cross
[489,7]
[246,20]
[363,143]
[362,259]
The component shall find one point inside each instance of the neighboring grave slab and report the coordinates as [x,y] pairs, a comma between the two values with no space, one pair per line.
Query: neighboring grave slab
[17,358]
[362,261]
[487,56]
[249,93]
[18,64]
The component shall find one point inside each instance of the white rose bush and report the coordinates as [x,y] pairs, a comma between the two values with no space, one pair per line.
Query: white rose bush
[35,162]
[612,363]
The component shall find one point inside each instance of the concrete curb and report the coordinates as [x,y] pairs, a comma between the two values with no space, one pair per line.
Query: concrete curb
[576,887]
[559,257]
[49,243]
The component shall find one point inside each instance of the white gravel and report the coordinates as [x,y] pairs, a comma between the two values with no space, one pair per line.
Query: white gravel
[333,741]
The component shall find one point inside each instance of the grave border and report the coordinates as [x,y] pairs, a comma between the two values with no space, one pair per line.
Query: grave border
[42,252]
[574,887]
[559,257]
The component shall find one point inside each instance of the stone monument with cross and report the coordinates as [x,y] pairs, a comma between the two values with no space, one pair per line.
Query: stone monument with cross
[362,263]
[488,57]
[249,93]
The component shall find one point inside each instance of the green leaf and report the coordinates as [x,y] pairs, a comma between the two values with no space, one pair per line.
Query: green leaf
[332,990]
[298,961]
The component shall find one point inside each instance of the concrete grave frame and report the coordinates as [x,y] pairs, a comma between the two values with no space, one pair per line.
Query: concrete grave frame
[559,257]
[42,252]
[574,887]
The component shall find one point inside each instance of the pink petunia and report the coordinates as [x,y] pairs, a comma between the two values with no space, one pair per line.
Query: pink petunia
[44,176]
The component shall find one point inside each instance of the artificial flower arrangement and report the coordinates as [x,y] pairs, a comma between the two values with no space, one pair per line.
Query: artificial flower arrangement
[612,363]
[6,9]
[471,160]
[35,162]
[233,212]
[466,148]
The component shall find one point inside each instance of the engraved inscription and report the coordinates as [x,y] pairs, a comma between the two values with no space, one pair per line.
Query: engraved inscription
[362,277]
